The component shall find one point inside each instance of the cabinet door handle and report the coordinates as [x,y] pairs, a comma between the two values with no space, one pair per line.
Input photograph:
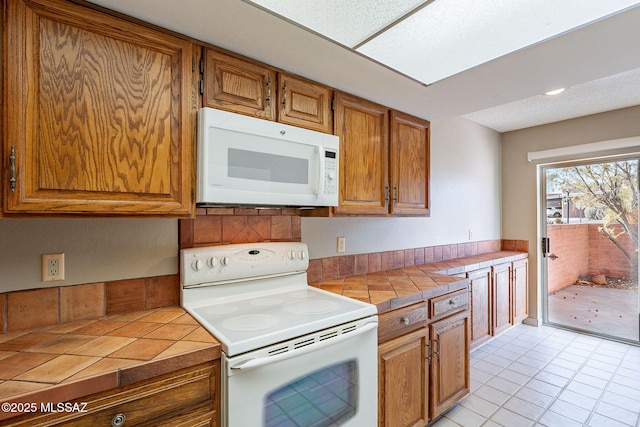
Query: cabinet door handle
[284,94]
[436,349]
[269,91]
[12,165]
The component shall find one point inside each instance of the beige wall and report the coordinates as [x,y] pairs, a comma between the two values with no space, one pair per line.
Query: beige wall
[519,177]
[96,249]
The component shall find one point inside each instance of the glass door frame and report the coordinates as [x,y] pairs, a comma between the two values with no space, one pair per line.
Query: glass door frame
[545,247]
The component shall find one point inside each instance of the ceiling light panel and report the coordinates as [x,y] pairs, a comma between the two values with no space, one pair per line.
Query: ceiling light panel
[450,36]
[348,22]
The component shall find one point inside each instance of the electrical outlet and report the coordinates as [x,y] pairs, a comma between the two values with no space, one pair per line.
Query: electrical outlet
[341,244]
[52,267]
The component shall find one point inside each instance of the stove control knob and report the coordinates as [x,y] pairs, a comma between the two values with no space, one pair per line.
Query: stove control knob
[225,260]
[197,264]
[292,255]
[301,255]
[212,262]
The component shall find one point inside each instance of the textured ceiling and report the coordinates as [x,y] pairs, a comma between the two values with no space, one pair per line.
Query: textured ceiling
[597,61]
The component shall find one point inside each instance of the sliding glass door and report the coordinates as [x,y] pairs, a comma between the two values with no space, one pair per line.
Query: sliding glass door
[590,247]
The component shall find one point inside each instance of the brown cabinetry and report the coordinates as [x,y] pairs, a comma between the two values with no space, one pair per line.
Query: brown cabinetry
[450,380]
[409,165]
[364,155]
[237,85]
[384,159]
[520,290]
[189,397]
[99,114]
[502,298]
[403,380]
[499,299]
[304,103]
[481,306]
[423,357]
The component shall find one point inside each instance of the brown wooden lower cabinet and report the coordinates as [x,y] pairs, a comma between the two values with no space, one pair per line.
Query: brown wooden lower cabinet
[449,362]
[186,398]
[498,298]
[403,380]
[423,372]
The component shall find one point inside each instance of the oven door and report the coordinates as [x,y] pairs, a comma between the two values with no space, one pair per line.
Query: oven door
[330,381]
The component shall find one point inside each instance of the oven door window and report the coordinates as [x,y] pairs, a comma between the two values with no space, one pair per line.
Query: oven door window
[323,398]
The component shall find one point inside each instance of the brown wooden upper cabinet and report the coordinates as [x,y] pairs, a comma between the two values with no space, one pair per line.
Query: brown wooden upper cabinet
[248,87]
[384,159]
[364,155]
[99,114]
[240,86]
[409,157]
[304,103]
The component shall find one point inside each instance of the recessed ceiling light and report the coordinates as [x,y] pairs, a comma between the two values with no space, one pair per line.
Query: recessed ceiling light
[555,92]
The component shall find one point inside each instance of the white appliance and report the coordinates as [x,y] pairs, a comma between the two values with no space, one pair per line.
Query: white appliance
[292,354]
[244,160]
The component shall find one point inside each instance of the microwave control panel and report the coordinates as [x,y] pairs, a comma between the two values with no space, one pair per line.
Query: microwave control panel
[330,172]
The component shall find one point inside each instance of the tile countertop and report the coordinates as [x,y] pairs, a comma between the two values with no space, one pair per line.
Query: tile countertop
[396,288]
[71,360]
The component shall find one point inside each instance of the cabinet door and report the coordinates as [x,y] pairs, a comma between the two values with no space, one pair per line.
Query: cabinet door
[363,130]
[520,290]
[501,298]
[403,380]
[99,113]
[480,298]
[305,104]
[449,362]
[409,168]
[239,86]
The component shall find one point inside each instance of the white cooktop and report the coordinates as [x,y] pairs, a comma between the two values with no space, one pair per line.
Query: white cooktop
[255,295]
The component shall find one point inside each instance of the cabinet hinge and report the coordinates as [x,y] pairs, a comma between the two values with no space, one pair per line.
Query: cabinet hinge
[201,65]
[201,87]
[193,64]
[333,105]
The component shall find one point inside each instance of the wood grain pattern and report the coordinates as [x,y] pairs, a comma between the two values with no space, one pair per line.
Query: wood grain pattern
[398,322]
[450,379]
[520,290]
[99,110]
[480,302]
[240,86]
[364,148]
[304,103]
[184,398]
[409,168]
[403,381]
[502,298]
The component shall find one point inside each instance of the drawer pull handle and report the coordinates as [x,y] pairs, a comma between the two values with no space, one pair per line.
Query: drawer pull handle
[451,302]
[118,420]
[405,320]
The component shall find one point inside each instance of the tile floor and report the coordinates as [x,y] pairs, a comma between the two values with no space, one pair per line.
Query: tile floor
[543,376]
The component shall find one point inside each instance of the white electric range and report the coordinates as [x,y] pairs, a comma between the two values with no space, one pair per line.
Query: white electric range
[292,353]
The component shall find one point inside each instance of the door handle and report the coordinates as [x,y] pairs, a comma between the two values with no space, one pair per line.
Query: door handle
[321,171]
[546,246]
[261,361]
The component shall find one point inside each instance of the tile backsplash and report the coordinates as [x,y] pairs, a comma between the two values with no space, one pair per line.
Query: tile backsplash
[41,307]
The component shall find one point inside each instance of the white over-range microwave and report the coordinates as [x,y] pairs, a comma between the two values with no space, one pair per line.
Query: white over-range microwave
[247,161]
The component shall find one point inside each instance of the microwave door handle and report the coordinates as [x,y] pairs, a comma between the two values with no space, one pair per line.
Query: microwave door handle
[262,361]
[320,186]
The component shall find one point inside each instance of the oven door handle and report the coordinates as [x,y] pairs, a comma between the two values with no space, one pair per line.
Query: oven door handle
[261,361]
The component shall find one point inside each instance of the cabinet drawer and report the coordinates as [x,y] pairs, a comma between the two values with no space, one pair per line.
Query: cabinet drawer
[447,304]
[401,321]
[183,398]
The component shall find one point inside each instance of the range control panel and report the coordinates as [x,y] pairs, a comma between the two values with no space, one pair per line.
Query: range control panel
[229,263]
